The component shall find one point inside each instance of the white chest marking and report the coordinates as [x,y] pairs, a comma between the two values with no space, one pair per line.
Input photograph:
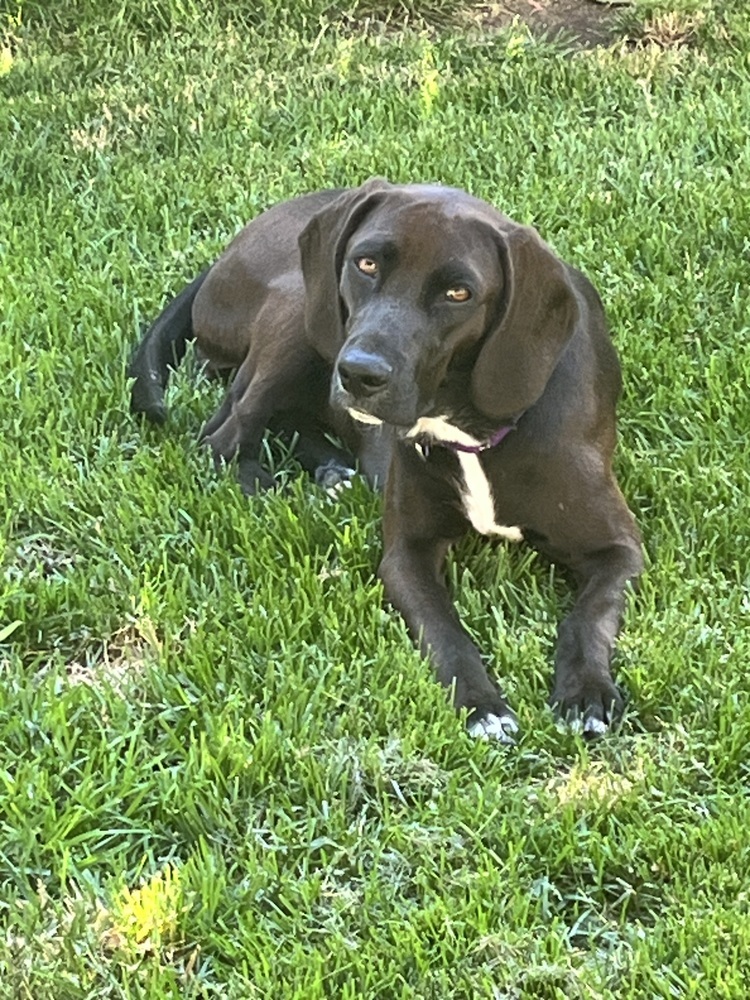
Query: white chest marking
[478,502]
[476,495]
[441,430]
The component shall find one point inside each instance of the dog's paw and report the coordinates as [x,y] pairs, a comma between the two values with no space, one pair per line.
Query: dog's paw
[589,727]
[333,476]
[503,728]
[587,709]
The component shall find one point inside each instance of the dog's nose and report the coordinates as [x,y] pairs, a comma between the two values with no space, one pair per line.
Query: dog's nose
[363,374]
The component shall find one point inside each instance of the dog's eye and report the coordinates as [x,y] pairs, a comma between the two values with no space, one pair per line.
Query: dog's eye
[458,294]
[367,265]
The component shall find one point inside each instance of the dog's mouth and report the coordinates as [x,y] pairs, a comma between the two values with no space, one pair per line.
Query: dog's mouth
[373,392]
[407,430]
[401,414]
[425,430]
[364,418]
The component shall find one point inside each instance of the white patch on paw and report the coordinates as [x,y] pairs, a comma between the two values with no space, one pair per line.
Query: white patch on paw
[597,727]
[333,476]
[337,488]
[582,727]
[494,727]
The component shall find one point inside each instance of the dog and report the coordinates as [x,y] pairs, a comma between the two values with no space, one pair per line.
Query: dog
[461,364]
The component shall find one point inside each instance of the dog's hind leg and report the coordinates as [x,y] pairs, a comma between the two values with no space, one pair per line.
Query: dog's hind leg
[161,349]
[265,383]
[331,465]
[236,429]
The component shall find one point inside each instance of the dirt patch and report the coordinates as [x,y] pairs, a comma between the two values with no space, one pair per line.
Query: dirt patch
[584,23]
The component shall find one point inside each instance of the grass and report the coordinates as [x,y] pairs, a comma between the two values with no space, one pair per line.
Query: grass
[225,772]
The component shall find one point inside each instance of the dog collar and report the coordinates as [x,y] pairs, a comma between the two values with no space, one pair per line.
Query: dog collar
[469,449]
[475,449]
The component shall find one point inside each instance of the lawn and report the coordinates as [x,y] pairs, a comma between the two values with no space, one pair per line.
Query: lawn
[224,770]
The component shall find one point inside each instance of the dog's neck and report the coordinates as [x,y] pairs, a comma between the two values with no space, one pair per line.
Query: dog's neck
[474,449]
[430,431]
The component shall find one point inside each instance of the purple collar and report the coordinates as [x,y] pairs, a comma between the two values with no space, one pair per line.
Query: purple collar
[471,449]
[475,449]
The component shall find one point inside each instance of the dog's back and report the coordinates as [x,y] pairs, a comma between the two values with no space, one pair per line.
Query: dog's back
[219,306]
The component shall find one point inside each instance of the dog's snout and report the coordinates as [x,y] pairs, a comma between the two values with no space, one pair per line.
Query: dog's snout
[363,374]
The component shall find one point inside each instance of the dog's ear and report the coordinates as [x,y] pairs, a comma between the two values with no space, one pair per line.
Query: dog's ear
[539,316]
[322,244]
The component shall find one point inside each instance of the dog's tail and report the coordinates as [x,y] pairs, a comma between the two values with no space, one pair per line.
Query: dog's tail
[162,349]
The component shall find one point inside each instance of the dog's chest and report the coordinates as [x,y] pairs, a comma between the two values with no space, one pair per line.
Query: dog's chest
[478,501]
[475,490]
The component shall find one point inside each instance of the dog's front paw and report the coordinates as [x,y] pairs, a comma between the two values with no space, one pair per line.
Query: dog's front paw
[587,706]
[489,726]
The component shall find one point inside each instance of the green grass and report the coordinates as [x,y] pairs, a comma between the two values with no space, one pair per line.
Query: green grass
[224,770]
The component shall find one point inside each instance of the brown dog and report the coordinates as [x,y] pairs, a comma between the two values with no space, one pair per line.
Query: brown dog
[458,359]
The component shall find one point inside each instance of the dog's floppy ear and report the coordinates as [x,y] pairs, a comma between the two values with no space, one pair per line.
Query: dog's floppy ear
[322,244]
[540,313]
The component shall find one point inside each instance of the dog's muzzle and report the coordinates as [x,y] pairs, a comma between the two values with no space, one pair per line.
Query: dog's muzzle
[363,375]
[376,386]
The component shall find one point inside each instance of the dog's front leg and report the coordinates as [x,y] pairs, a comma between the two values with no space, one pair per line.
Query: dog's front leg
[411,575]
[584,692]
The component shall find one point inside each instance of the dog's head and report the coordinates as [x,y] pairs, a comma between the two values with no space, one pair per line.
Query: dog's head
[409,289]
